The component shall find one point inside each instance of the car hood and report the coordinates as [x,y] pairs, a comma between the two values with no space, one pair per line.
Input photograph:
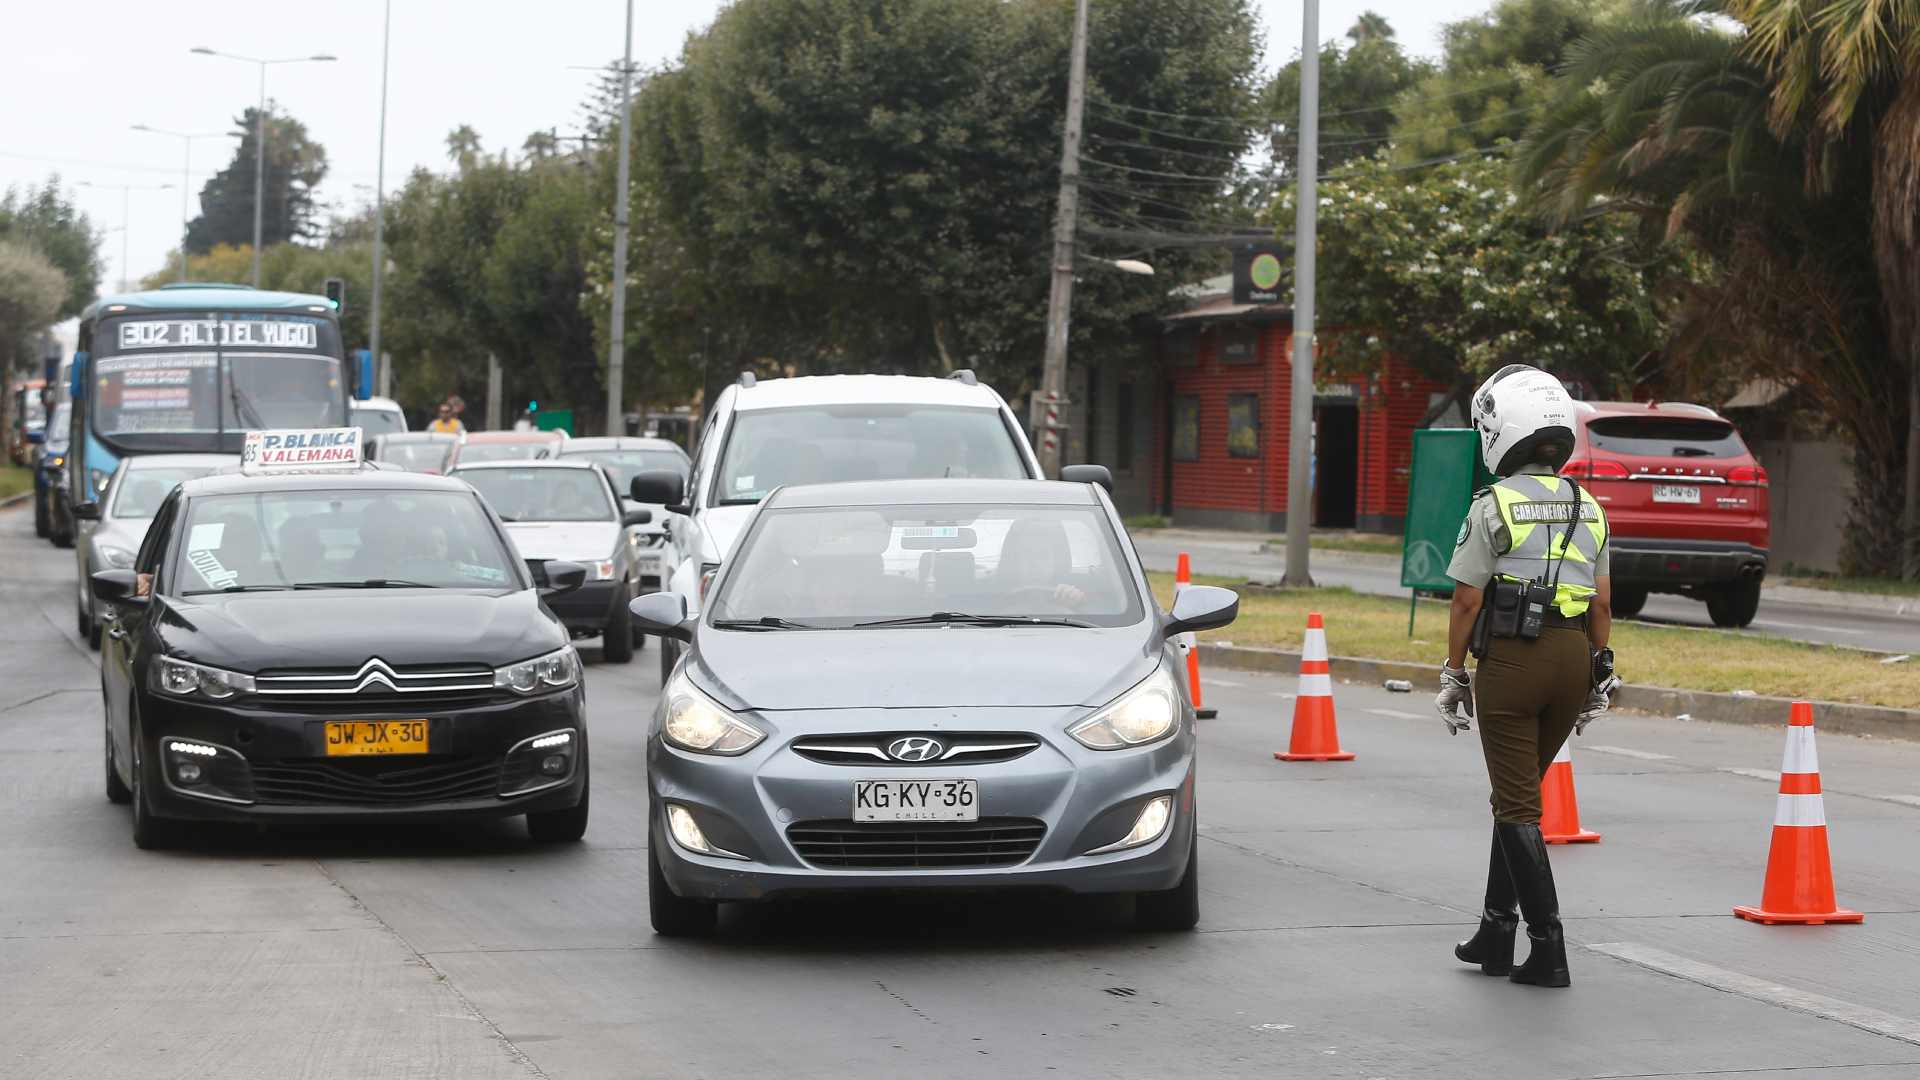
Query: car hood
[922,667]
[724,525]
[345,628]
[563,539]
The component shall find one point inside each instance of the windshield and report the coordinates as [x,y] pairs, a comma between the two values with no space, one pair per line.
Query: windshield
[142,489]
[377,421]
[624,464]
[173,383]
[33,411]
[1664,436]
[423,455]
[57,429]
[547,494]
[284,539]
[506,451]
[841,566]
[819,444]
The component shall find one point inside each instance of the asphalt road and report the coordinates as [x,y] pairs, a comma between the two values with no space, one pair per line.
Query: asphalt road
[1797,614]
[1332,895]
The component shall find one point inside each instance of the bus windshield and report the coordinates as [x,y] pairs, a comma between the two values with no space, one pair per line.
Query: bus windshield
[172,383]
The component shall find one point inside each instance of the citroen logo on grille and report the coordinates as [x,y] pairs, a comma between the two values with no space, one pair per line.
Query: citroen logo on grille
[915,748]
[374,673]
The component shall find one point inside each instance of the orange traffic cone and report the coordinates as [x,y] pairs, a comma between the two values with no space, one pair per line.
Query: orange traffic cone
[1799,886]
[1315,737]
[1559,809]
[1183,577]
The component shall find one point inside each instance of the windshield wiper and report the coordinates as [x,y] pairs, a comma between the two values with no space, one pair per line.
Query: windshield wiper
[242,403]
[940,617]
[764,622]
[237,588]
[364,583]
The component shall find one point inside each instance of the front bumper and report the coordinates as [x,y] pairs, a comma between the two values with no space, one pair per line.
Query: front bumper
[274,765]
[587,608]
[1085,799]
[1676,563]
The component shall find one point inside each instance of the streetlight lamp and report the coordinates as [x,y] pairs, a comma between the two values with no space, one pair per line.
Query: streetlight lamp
[260,133]
[1125,266]
[186,176]
[126,205]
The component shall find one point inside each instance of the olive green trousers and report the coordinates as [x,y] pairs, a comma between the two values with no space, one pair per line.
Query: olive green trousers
[1526,697]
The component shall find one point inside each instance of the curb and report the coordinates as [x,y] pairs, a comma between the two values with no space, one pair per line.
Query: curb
[1751,709]
[12,501]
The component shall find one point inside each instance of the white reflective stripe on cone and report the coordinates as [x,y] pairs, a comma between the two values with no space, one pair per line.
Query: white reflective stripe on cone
[1315,645]
[1566,752]
[1316,686]
[1800,810]
[1800,756]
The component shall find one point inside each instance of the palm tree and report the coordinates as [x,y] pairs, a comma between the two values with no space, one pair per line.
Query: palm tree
[463,146]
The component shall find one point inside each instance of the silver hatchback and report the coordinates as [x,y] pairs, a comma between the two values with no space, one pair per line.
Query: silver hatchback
[926,684]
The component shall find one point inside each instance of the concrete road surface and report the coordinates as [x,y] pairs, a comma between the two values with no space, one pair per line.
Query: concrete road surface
[1797,614]
[1332,896]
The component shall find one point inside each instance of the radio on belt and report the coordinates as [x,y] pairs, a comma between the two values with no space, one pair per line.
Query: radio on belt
[301,450]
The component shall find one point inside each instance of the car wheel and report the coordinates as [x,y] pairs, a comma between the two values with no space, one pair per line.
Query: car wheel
[62,538]
[93,634]
[674,915]
[150,833]
[1177,908]
[42,520]
[82,625]
[1735,605]
[1628,600]
[560,826]
[616,639]
[118,793]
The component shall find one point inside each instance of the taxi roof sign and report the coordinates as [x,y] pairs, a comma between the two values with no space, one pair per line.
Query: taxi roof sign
[301,450]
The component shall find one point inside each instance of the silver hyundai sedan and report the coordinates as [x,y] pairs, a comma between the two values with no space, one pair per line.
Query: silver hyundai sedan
[926,684]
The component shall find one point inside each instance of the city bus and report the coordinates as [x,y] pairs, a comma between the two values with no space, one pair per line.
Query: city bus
[191,367]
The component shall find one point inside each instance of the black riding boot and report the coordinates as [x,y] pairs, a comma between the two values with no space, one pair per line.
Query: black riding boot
[1526,854]
[1491,946]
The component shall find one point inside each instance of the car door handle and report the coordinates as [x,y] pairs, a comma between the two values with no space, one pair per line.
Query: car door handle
[117,634]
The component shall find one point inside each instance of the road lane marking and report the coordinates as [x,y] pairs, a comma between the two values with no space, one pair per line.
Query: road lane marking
[1768,775]
[1813,627]
[1288,694]
[1396,714]
[1643,755]
[1229,683]
[1770,993]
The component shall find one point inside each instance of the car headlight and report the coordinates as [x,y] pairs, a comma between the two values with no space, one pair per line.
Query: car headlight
[696,722]
[116,558]
[54,461]
[182,678]
[559,668]
[99,478]
[1147,713]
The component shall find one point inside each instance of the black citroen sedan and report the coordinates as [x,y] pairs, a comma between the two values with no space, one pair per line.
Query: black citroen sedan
[359,646]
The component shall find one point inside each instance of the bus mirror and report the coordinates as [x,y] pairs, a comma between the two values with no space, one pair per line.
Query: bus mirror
[77,377]
[362,374]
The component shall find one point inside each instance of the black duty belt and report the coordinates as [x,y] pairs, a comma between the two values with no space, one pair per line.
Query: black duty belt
[1554,618]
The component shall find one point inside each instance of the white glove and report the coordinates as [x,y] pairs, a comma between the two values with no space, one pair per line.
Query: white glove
[1598,702]
[1454,703]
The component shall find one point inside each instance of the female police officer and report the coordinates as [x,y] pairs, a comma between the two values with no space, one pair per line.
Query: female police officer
[1531,597]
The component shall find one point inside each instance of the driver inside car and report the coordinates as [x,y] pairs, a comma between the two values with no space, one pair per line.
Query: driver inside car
[1034,562]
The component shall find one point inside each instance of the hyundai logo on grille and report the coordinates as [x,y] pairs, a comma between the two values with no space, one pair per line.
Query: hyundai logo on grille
[915,748]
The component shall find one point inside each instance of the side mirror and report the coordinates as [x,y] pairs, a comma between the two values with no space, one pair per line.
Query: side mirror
[637,517]
[663,614]
[117,587]
[1087,474]
[562,577]
[86,511]
[658,486]
[1203,607]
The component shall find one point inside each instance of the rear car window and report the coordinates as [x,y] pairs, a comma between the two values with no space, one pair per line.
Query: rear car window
[1665,436]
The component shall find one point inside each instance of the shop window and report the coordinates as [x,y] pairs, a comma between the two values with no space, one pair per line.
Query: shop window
[1243,425]
[1186,428]
[1240,345]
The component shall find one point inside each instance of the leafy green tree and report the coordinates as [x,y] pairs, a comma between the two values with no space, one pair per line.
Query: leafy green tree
[45,218]
[296,164]
[32,289]
[463,146]
[1359,85]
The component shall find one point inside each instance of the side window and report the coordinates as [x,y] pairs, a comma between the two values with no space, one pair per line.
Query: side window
[153,549]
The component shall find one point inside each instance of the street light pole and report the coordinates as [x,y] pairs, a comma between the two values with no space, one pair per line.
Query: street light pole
[617,332]
[186,178]
[1305,223]
[380,204]
[1053,369]
[260,135]
[126,217]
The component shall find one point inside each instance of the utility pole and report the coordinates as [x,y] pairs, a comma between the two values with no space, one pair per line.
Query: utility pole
[380,208]
[1053,371]
[493,392]
[617,330]
[1305,219]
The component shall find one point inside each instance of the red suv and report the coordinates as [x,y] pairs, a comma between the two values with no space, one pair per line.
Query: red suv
[1686,503]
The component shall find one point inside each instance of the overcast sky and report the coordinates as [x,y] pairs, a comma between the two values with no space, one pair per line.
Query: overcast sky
[79,73]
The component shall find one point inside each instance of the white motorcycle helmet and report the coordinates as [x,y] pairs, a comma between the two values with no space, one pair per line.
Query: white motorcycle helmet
[1516,411]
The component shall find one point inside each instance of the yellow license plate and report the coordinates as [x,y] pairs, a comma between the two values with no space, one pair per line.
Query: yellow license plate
[350,737]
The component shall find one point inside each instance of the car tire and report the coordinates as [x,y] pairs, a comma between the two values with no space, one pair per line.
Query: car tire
[150,833]
[42,519]
[94,630]
[118,793]
[674,915]
[616,639]
[1628,600]
[1177,908]
[1735,605]
[61,538]
[560,826]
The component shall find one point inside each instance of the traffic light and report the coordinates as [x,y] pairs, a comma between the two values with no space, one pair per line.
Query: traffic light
[336,289]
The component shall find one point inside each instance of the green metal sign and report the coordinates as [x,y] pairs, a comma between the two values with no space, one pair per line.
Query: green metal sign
[1446,471]
[554,420]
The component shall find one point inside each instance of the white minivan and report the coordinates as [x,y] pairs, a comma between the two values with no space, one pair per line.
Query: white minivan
[816,429]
